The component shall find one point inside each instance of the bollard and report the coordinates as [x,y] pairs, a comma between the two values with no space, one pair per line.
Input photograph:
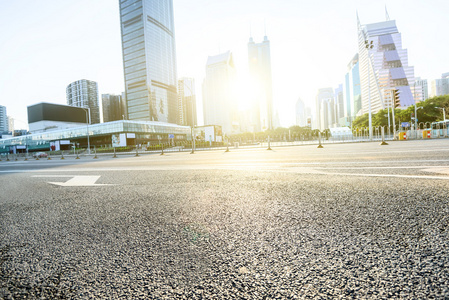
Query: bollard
[319,141]
[227,147]
[115,155]
[49,158]
[193,146]
[137,152]
[7,157]
[383,137]
[62,155]
[77,155]
[162,152]
[26,157]
[95,151]
[269,144]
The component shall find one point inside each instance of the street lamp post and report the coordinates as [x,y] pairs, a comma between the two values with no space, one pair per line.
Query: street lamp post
[87,127]
[392,111]
[368,46]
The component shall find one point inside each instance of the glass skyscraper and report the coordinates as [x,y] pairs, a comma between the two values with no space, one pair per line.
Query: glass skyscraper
[219,103]
[149,60]
[352,91]
[384,66]
[187,102]
[259,59]
[113,107]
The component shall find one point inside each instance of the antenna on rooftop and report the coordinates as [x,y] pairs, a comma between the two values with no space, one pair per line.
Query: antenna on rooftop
[387,16]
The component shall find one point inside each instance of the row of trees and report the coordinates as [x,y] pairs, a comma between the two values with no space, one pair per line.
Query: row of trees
[427,111]
[278,134]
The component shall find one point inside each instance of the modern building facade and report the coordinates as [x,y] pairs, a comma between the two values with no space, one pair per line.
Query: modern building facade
[259,59]
[352,91]
[84,93]
[100,135]
[219,101]
[43,117]
[187,102]
[11,126]
[113,107]
[325,108]
[440,87]
[421,89]
[339,106]
[3,120]
[384,66]
[149,60]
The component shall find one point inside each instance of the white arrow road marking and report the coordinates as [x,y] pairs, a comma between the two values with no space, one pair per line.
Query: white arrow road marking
[75,180]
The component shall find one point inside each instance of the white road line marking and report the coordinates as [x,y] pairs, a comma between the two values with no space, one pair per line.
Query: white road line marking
[75,180]
[389,175]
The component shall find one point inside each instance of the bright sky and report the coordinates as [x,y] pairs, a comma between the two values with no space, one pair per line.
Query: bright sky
[47,44]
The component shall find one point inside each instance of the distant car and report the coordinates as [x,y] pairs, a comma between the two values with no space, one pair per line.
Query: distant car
[39,154]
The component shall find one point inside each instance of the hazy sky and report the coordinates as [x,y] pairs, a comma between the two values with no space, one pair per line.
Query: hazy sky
[47,44]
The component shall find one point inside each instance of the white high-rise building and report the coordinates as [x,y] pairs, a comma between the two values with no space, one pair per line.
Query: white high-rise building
[339,107]
[3,119]
[421,89]
[384,63]
[440,87]
[219,101]
[325,108]
[259,59]
[187,102]
[84,93]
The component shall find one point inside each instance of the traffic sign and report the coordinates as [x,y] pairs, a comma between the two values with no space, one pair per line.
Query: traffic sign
[171,136]
[405,124]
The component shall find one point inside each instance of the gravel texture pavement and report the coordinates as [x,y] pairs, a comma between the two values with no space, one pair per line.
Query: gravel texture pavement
[224,234]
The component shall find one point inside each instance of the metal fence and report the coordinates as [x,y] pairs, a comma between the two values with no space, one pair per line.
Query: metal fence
[357,135]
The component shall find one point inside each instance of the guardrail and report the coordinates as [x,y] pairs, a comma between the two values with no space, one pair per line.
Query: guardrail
[359,136]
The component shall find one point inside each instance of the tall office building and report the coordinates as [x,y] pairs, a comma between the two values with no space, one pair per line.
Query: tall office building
[352,91]
[11,126]
[219,103]
[187,102]
[3,120]
[262,88]
[339,106]
[325,108]
[421,89]
[384,63]
[440,87]
[301,117]
[149,60]
[84,93]
[113,107]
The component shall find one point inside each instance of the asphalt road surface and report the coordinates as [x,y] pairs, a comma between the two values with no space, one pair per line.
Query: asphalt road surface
[346,221]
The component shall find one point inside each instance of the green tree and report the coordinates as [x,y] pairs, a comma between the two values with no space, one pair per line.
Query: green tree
[427,111]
